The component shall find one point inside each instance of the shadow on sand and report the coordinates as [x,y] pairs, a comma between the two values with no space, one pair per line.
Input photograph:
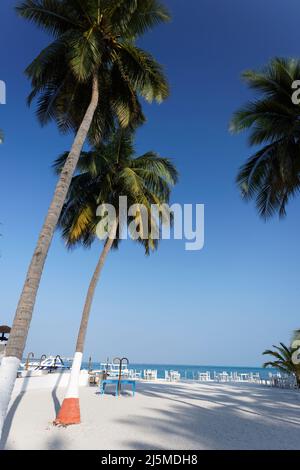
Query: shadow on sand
[15,404]
[211,417]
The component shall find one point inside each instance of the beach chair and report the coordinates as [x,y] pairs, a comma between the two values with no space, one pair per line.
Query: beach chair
[133,374]
[236,377]
[174,376]
[150,374]
[224,377]
[256,378]
[204,376]
[92,379]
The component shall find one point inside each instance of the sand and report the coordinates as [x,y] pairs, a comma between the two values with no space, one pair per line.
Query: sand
[161,416]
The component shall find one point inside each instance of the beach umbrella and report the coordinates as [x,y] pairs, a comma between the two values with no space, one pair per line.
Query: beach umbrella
[4,329]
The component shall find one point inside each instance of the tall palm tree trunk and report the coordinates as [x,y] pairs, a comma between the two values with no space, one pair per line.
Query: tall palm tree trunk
[18,336]
[69,412]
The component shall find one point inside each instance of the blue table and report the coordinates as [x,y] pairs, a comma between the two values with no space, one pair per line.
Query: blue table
[105,382]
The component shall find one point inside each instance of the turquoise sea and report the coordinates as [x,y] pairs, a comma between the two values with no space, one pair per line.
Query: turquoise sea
[191,372]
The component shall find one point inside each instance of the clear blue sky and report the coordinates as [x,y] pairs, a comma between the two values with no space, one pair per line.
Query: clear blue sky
[222,305]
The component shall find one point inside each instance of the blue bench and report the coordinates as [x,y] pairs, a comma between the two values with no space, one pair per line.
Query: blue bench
[116,382]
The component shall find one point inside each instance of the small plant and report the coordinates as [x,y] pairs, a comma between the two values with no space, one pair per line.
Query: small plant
[284,360]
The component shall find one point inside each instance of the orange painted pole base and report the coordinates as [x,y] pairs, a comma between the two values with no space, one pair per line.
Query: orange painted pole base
[69,413]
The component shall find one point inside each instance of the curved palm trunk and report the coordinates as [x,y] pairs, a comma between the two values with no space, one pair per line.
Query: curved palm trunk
[69,412]
[18,336]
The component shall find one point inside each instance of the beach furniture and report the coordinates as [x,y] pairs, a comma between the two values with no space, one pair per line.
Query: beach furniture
[175,376]
[96,376]
[92,379]
[285,381]
[150,374]
[50,363]
[113,369]
[244,377]
[204,376]
[134,374]
[120,362]
[236,377]
[117,384]
[223,376]
[172,375]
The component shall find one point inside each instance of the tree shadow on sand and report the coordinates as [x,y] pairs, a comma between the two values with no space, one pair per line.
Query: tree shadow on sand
[16,403]
[211,417]
[9,420]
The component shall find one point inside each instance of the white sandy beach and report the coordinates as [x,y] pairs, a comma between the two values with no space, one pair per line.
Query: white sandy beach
[161,416]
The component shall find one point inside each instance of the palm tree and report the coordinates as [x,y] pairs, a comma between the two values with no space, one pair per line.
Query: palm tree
[271,175]
[104,174]
[88,77]
[283,360]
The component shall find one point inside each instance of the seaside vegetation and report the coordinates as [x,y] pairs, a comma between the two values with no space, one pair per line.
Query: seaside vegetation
[286,357]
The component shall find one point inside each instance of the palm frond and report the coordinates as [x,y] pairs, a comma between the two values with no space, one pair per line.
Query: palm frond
[105,173]
[94,37]
[272,175]
[283,360]
[143,73]
[147,15]
[54,16]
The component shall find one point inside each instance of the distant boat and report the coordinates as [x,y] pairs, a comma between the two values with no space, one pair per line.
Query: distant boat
[49,364]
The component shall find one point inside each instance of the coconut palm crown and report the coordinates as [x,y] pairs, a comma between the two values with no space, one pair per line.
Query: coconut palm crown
[107,172]
[94,39]
[271,176]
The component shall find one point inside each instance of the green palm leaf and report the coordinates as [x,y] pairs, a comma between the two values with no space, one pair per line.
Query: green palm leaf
[94,38]
[143,73]
[272,175]
[283,360]
[104,174]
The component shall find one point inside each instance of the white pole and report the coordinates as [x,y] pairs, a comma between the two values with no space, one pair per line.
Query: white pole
[8,373]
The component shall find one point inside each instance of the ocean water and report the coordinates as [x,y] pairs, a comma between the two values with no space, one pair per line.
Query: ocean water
[191,372]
